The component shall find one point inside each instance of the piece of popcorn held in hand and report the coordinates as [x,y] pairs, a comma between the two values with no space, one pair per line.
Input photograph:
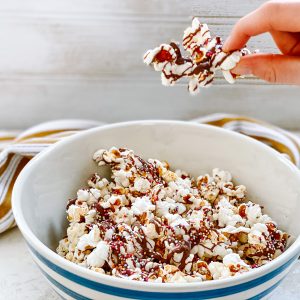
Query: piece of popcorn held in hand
[167,59]
[205,57]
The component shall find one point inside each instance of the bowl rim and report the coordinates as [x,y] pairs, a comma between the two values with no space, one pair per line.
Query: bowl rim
[42,249]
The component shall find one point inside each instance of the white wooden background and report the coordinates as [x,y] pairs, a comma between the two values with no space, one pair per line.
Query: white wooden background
[83,59]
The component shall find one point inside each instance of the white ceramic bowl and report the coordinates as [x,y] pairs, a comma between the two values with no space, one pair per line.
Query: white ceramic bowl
[41,192]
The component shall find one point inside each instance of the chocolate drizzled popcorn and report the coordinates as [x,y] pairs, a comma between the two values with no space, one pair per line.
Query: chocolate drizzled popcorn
[149,223]
[205,57]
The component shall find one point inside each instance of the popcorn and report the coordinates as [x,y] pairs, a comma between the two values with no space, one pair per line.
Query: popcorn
[205,58]
[99,255]
[150,231]
[142,205]
[83,195]
[221,250]
[149,223]
[89,240]
[141,185]
[74,232]
[257,234]
[76,213]
[63,247]
[218,270]
[90,216]
[225,214]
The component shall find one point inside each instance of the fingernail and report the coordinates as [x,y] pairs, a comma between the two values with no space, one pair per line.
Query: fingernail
[226,44]
[241,69]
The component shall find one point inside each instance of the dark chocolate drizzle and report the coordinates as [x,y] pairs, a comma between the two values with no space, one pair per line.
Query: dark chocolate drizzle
[188,38]
[179,59]
[201,67]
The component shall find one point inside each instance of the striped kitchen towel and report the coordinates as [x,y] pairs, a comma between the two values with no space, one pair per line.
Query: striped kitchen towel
[16,149]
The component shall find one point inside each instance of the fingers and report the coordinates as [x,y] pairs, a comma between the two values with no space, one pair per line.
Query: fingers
[287,42]
[273,15]
[250,25]
[274,68]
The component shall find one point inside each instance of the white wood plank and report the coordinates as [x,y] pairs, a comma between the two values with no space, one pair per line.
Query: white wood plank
[83,58]
[27,104]
[134,7]
[102,38]
[90,48]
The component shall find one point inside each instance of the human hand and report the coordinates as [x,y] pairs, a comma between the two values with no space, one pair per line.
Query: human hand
[282,20]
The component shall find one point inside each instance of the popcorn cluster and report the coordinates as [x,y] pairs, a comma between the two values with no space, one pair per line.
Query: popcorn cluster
[205,58]
[151,224]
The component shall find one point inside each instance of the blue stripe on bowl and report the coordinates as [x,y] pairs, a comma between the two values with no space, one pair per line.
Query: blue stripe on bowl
[80,297]
[267,291]
[63,288]
[145,295]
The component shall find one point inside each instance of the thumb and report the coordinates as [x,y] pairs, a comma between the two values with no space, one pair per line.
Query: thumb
[274,68]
